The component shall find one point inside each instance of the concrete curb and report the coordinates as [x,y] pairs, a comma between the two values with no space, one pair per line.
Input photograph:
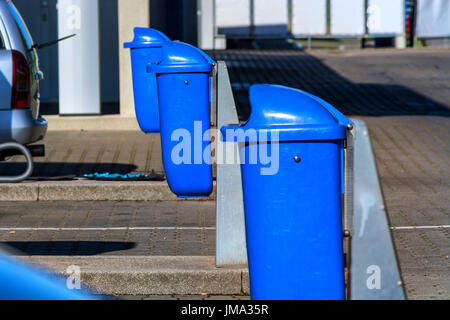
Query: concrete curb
[85,190]
[151,275]
[92,123]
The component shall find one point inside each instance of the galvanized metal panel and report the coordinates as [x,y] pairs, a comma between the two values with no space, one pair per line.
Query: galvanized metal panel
[386,17]
[309,17]
[79,60]
[374,270]
[347,17]
[231,246]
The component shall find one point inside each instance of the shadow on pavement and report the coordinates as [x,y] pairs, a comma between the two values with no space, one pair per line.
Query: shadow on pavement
[297,69]
[66,248]
[58,169]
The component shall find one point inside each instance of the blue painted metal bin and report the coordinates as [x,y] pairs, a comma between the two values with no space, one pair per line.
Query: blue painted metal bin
[293,215]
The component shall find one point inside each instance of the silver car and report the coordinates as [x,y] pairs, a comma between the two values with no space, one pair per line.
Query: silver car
[19,80]
[20,121]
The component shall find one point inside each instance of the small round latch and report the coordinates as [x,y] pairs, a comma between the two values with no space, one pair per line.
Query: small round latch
[297,159]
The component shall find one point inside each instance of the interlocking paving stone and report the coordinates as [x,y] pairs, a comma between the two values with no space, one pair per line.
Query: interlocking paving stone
[83,152]
[367,83]
[134,242]
[414,170]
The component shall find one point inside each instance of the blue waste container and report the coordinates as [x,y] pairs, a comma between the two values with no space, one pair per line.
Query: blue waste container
[293,215]
[184,82]
[146,48]
[172,84]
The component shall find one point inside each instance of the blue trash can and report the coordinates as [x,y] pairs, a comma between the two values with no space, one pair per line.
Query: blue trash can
[146,48]
[184,82]
[293,215]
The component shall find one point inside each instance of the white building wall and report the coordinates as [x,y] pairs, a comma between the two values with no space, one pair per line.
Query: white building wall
[386,17]
[309,17]
[347,17]
[233,17]
[271,17]
[433,18]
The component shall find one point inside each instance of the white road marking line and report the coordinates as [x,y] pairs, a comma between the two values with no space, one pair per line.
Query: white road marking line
[421,227]
[179,228]
[108,229]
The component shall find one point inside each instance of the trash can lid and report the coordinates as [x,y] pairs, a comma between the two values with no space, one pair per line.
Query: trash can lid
[296,115]
[179,57]
[146,38]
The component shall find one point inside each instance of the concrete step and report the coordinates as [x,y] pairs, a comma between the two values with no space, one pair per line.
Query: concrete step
[92,123]
[86,190]
[150,275]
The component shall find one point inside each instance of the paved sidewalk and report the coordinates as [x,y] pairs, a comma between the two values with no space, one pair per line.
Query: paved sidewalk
[75,153]
[80,152]
[412,155]
[376,83]
[170,228]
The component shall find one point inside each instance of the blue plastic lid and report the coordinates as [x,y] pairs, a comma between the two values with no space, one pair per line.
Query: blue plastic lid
[295,114]
[146,38]
[181,57]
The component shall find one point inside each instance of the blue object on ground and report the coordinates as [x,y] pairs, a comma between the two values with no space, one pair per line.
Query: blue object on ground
[128,177]
[146,48]
[293,217]
[21,282]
